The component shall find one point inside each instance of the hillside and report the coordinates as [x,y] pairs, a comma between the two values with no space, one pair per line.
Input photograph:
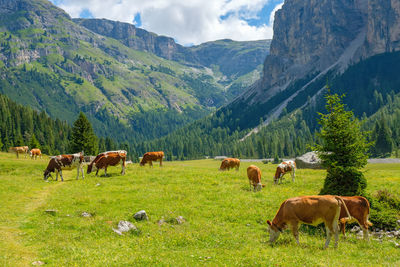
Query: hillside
[51,63]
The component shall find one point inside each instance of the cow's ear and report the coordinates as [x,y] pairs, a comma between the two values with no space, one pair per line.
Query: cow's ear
[269,222]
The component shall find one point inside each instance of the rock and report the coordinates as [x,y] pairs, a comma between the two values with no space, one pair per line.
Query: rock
[355,229]
[141,215]
[97,184]
[51,212]
[180,220]
[86,214]
[309,160]
[38,263]
[398,222]
[161,221]
[124,226]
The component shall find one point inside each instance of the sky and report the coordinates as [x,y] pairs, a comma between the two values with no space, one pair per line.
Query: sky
[189,22]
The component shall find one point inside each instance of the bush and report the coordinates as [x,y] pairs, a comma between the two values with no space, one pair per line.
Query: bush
[385,209]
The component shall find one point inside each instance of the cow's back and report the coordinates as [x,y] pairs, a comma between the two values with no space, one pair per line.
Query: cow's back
[310,209]
[254,173]
[357,205]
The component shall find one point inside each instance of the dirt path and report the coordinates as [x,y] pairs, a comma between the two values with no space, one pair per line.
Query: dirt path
[15,251]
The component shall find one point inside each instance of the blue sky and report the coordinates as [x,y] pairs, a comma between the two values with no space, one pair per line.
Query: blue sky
[188,22]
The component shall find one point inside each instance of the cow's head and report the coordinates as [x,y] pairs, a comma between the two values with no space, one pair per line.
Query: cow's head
[142,162]
[91,167]
[274,231]
[46,174]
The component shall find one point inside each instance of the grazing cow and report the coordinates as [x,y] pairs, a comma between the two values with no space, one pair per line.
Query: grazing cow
[19,150]
[64,162]
[149,157]
[230,163]
[309,210]
[359,210]
[35,152]
[254,175]
[283,168]
[109,158]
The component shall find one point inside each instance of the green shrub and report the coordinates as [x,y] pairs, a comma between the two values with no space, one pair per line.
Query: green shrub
[385,209]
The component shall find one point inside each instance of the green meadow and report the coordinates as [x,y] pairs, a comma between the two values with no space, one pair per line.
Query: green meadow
[225,221]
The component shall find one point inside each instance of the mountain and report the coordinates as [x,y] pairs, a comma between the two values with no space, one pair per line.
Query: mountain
[315,41]
[132,84]
[352,46]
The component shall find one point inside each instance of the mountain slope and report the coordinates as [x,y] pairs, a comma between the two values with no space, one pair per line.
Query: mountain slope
[51,63]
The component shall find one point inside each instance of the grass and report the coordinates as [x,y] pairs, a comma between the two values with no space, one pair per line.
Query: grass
[225,221]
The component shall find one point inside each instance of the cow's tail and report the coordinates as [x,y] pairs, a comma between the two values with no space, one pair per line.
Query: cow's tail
[348,218]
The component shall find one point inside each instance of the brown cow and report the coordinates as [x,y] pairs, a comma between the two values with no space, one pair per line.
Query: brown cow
[230,163]
[20,150]
[359,210]
[64,162]
[254,175]
[109,158]
[283,168]
[149,157]
[309,210]
[35,152]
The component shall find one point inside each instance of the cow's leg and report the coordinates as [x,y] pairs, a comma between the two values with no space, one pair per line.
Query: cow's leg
[295,231]
[161,162]
[62,179]
[151,163]
[105,171]
[56,175]
[328,235]
[293,175]
[83,173]
[123,163]
[342,226]
[77,173]
[97,171]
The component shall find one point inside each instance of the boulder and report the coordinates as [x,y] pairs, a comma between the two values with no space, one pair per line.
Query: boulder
[141,215]
[124,226]
[309,160]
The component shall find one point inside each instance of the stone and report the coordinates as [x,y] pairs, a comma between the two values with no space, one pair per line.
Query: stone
[38,263]
[180,220]
[355,229]
[309,160]
[86,214]
[97,184]
[141,215]
[124,226]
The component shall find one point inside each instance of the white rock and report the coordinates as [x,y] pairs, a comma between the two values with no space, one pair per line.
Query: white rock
[355,229]
[38,263]
[86,214]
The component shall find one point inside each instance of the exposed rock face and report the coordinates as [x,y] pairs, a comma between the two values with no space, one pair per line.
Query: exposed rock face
[312,37]
[139,39]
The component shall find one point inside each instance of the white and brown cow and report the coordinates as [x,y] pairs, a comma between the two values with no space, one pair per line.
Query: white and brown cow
[19,150]
[309,210]
[64,162]
[109,158]
[283,168]
[34,153]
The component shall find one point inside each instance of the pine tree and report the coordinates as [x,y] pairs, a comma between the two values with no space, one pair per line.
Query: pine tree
[343,150]
[383,142]
[83,137]
[33,142]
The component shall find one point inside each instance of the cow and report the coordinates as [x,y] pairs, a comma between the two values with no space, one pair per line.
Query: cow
[230,163]
[64,162]
[109,158]
[19,150]
[35,152]
[254,175]
[283,168]
[149,157]
[309,210]
[359,210]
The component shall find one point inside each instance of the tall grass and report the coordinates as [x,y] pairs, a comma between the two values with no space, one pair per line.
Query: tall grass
[225,221]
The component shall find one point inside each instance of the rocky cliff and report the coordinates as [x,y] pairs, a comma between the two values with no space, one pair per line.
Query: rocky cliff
[312,37]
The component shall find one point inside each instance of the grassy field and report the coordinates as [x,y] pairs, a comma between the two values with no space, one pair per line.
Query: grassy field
[225,221]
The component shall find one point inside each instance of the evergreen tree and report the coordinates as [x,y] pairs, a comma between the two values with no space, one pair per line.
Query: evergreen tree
[83,137]
[383,139]
[343,150]
[33,142]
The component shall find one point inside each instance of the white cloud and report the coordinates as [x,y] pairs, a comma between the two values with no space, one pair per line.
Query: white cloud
[188,22]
